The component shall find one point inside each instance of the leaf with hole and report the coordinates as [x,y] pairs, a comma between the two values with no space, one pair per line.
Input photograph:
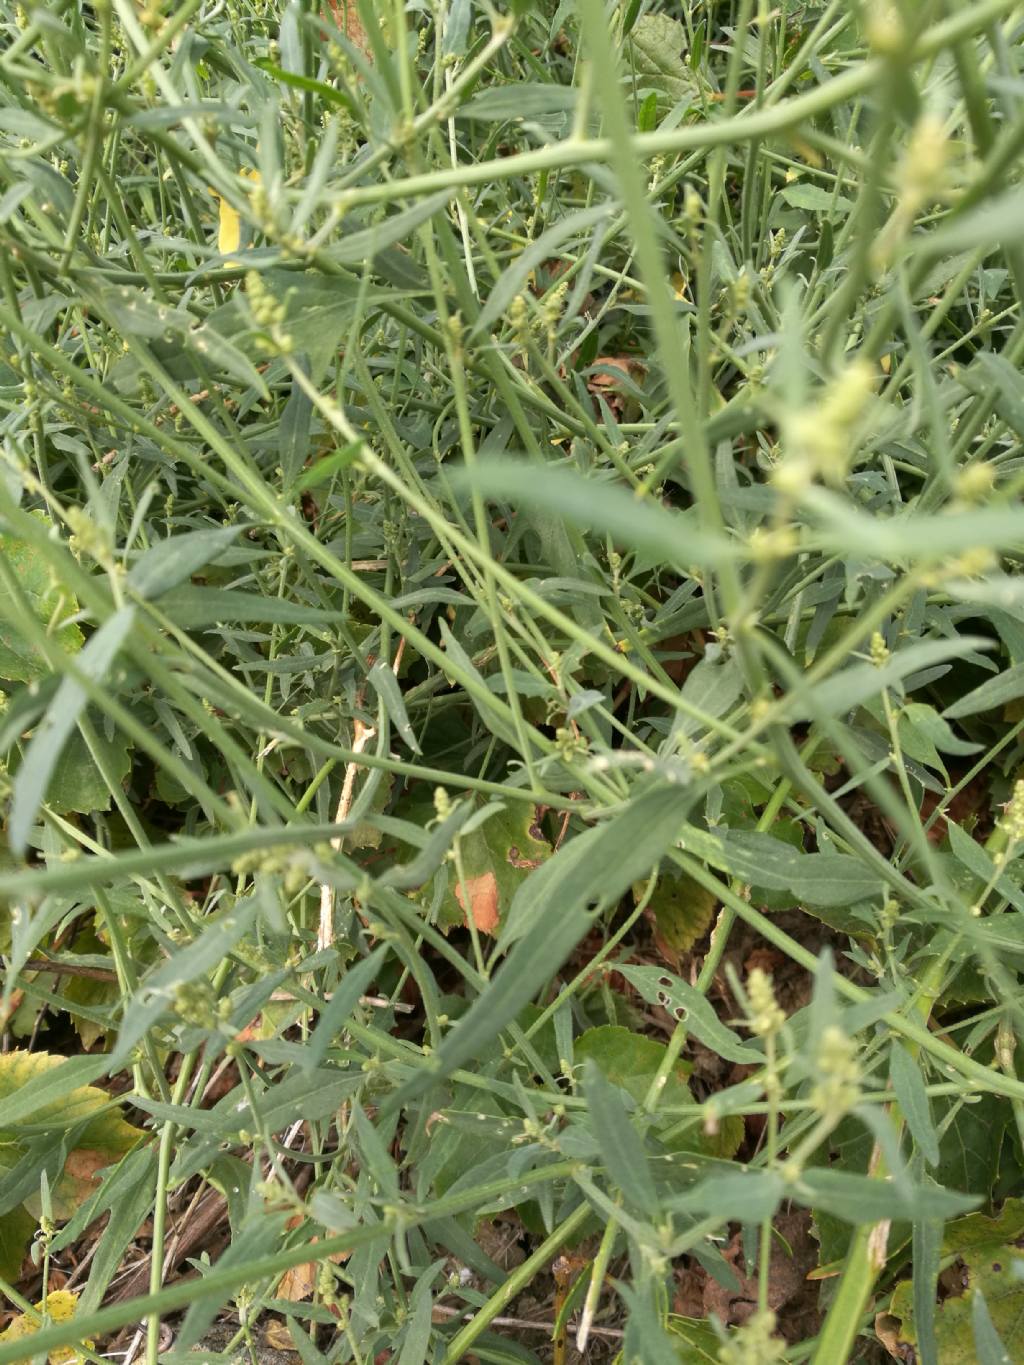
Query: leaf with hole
[687,1006]
[998,1274]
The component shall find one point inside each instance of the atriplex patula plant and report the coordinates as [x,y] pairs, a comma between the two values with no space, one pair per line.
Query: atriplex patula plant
[512,661]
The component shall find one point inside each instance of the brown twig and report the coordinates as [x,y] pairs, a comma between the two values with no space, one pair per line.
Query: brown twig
[42,964]
[361,736]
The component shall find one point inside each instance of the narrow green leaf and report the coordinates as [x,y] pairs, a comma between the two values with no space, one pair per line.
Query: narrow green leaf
[376,1160]
[598,506]
[416,1343]
[747,1196]
[513,279]
[979,863]
[518,100]
[355,248]
[341,1005]
[385,684]
[196,959]
[622,1151]
[714,685]
[688,1006]
[927,1247]
[989,695]
[857,684]
[298,82]
[172,561]
[192,608]
[760,860]
[600,865]
[908,1083]
[529,967]
[320,471]
[456,29]
[862,1199]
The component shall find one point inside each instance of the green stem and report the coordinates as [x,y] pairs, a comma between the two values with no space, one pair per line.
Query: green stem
[514,1285]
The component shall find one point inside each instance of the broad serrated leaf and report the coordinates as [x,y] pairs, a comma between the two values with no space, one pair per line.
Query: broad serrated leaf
[47,743]
[42,1092]
[978,1234]
[59,1307]
[21,661]
[657,47]
[681,909]
[17,1228]
[632,1061]
[76,783]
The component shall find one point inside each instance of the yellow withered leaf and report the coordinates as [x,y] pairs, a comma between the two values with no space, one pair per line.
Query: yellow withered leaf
[59,1307]
[229,224]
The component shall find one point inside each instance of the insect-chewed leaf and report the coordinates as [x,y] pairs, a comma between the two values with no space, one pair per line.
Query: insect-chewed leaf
[688,1006]
[994,1273]
[976,1234]
[498,855]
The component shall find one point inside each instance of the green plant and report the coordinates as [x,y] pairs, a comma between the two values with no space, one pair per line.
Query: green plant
[501,507]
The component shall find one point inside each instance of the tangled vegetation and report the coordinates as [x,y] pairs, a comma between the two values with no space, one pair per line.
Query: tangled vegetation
[512,681]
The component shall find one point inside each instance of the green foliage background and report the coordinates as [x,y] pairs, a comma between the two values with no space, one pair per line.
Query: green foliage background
[506,512]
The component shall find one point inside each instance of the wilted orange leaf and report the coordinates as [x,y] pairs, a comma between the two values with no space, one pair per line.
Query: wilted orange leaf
[483,900]
[277,1336]
[299,1282]
[81,1173]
